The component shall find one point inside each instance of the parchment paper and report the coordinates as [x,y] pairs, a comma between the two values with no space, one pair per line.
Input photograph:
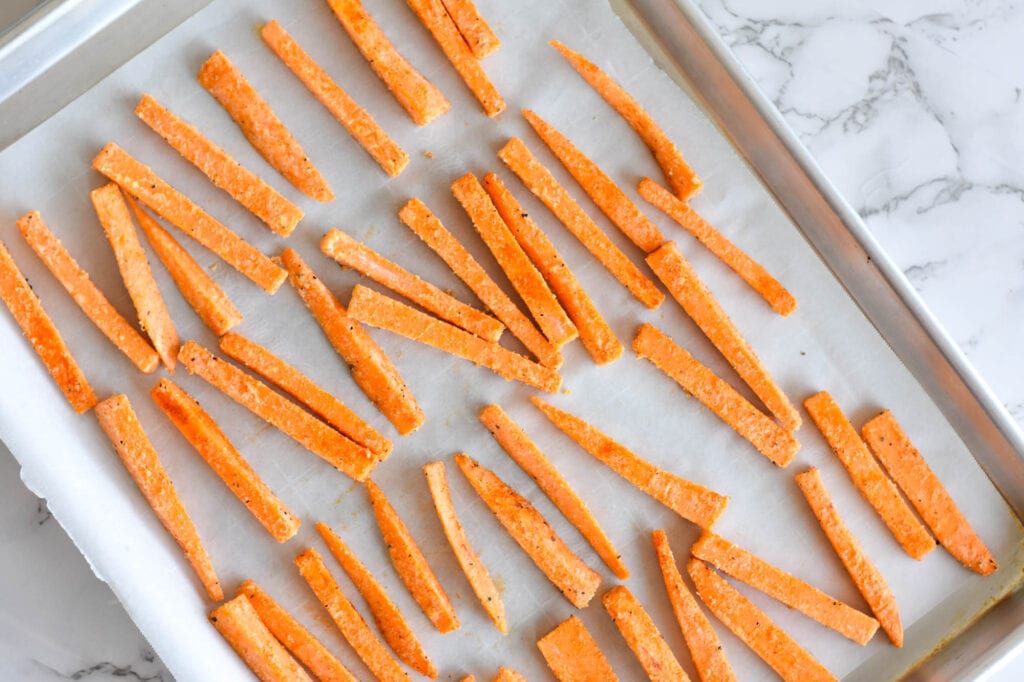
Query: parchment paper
[825,344]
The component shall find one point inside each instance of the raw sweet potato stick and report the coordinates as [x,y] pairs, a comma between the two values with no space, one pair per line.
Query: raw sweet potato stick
[573,655]
[642,636]
[474,29]
[237,621]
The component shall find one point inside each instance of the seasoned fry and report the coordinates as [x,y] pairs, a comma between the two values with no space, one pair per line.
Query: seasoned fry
[475,31]
[573,655]
[508,675]
[261,126]
[643,636]
[574,579]
[865,472]
[117,419]
[691,501]
[238,622]
[87,295]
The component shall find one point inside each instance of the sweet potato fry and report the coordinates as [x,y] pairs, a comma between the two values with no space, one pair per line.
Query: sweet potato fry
[865,575]
[351,625]
[214,447]
[508,675]
[142,183]
[755,628]
[356,120]
[345,455]
[476,573]
[545,187]
[791,591]
[154,318]
[690,500]
[350,253]
[297,639]
[680,176]
[474,29]
[427,227]
[372,370]
[389,619]
[467,678]
[264,130]
[573,655]
[701,639]
[247,188]
[642,636]
[770,439]
[418,96]
[237,621]
[528,456]
[865,472]
[703,308]
[117,419]
[87,295]
[612,201]
[574,579]
[595,333]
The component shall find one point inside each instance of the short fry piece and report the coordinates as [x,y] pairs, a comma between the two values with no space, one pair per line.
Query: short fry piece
[238,622]
[865,472]
[691,501]
[476,573]
[467,678]
[865,575]
[418,96]
[574,579]
[356,120]
[527,455]
[545,187]
[573,655]
[475,31]
[508,675]
[372,370]
[925,491]
[261,126]
[703,308]
[87,295]
[642,636]
[770,439]
[348,457]
[755,628]
[681,178]
[117,419]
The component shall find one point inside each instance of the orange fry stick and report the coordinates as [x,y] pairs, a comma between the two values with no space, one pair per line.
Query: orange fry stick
[925,491]
[261,126]
[418,96]
[247,188]
[476,573]
[351,625]
[383,312]
[467,678]
[691,501]
[642,636]
[545,187]
[427,227]
[865,472]
[205,296]
[297,639]
[574,579]
[701,639]
[372,370]
[474,29]
[142,183]
[703,308]
[356,120]
[528,456]
[770,439]
[755,628]
[573,655]
[595,333]
[508,675]
[791,591]
[612,201]
[117,419]
[752,272]
[389,619]
[214,447]
[680,176]
[87,295]
[154,318]
[238,622]
[348,457]
[350,253]
[865,575]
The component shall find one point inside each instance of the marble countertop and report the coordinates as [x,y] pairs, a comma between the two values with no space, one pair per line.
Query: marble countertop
[914,110]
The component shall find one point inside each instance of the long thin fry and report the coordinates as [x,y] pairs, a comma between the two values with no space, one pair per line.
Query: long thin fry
[573,655]
[238,622]
[474,29]
[642,636]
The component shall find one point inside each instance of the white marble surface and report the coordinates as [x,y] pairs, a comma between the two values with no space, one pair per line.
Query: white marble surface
[913,108]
